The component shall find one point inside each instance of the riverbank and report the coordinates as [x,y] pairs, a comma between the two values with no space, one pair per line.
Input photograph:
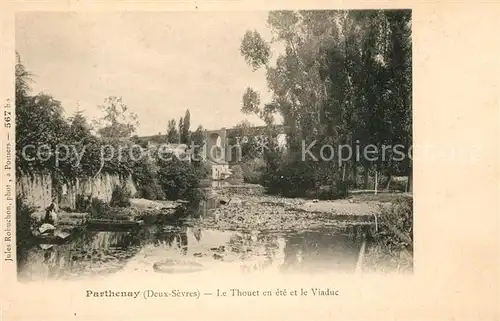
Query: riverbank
[388,218]
[275,213]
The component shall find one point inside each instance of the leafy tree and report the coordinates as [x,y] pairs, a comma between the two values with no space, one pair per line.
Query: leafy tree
[197,141]
[172,132]
[181,129]
[22,81]
[255,49]
[117,123]
[178,180]
[344,77]
[184,131]
[251,101]
[39,122]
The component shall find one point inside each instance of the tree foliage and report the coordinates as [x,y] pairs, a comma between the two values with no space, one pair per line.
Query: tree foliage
[117,123]
[343,77]
[185,130]
[172,132]
[67,149]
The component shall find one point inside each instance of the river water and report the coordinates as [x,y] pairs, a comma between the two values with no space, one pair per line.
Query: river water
[96,253]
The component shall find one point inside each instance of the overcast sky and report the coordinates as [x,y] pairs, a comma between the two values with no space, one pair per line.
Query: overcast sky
[160,63]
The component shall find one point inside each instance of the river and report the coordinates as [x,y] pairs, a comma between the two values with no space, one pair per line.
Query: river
[98,253]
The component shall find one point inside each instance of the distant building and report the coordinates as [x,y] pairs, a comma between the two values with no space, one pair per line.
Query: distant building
[219,171]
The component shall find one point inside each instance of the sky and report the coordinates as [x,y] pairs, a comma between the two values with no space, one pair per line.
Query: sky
[160,63]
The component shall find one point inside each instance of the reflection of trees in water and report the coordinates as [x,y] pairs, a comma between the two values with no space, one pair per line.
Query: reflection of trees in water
[249,243]
[168,235]
[322,249]
[90,253]
[197,233]
[271,245]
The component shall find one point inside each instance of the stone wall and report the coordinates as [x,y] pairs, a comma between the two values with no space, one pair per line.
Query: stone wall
[36,190]
[39,190]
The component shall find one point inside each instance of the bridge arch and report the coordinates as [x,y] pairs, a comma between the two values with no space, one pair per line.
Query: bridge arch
[215,144]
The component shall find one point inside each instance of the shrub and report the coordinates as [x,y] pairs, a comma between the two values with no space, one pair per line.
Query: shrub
[237,172]
[203,169]
[341,189]
[294,179]
[400,215]
[253,170]
[82,203]
[120,197]
[145,176]
[179,180]
[24,225]
[391,248]
[151,192]
[98,208]
[398,184]
[396,229]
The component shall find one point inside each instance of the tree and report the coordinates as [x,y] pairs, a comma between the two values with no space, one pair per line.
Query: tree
[117,123]
[179,180]
[22,82]
[251,102]
[79,127]
[197,141]
[181,129]
[248,141]
[343,77]
[172,133]
[255,49]
[39,122]
[184,131]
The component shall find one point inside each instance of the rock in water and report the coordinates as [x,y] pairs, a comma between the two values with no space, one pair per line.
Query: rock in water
[62,235]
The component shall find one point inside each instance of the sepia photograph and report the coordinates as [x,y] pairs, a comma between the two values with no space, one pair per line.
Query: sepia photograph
[185,142]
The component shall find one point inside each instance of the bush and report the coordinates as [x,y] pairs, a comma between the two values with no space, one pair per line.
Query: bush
[398,184]
[98,208]
[145,176]
[391,248]
[203,169]
[237,172]
[396,231]
[120,197]
[293,179]
[24,225]
[179,180]
[151,192]
[400,215]
[253,170]
[341,189]
[82,203]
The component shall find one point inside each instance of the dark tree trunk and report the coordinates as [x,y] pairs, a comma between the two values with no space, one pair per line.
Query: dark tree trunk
[354,174]
[410,180]
[367,175]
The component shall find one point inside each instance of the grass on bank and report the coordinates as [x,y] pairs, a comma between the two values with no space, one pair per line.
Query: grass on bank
[391,246]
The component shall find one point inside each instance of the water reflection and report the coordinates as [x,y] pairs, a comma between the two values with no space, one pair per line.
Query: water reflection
[321,250]
[91,253]
[98,253]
